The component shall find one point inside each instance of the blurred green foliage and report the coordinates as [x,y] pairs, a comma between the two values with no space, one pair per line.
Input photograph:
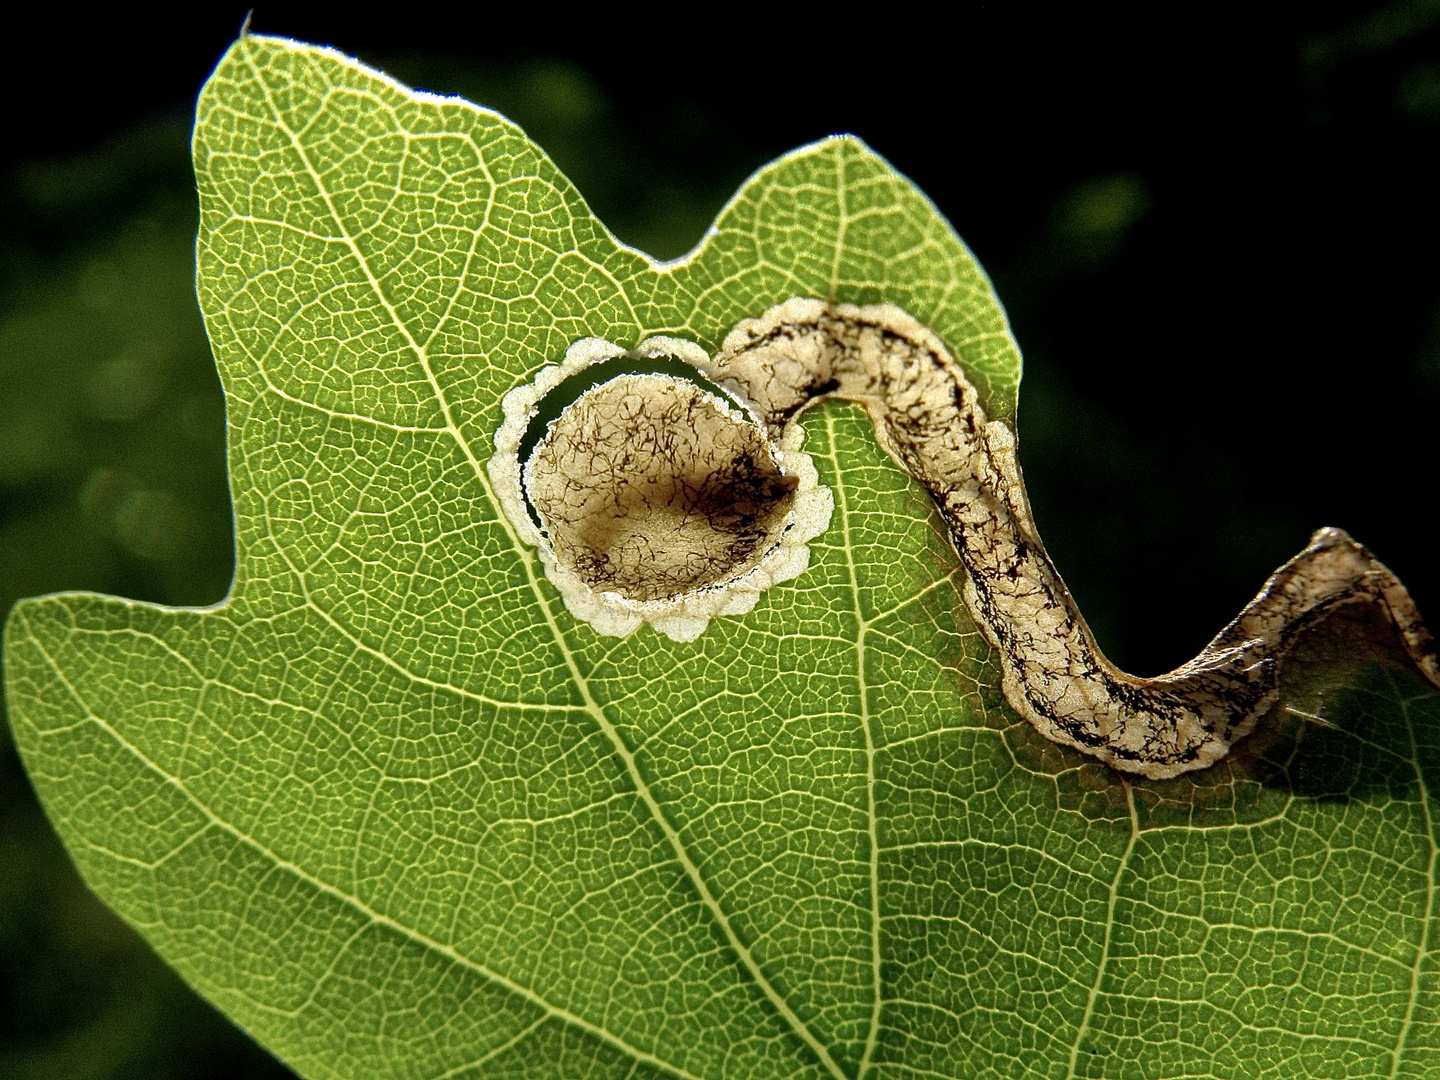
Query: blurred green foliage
[112,477]
[111,418]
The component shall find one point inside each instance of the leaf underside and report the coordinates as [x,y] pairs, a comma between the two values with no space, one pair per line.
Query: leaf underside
[398,814]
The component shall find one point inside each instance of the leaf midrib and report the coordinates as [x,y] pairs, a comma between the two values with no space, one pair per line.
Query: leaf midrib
[526,557]
[862,625]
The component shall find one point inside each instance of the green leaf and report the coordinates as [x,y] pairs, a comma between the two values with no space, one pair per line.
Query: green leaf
[398,814]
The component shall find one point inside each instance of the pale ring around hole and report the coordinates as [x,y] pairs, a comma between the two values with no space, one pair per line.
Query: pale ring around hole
[684,616]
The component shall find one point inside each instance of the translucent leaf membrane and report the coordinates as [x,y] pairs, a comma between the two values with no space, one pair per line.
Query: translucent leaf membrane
[399,814]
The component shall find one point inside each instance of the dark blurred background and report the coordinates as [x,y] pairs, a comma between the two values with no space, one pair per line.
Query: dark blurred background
[1216,235]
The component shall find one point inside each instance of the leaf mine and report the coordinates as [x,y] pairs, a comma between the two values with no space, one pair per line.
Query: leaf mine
[653,496]
[928,416]
[396,813]
[661,501]
[650,487]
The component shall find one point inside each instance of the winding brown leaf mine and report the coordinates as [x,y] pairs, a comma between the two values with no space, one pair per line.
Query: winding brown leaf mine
[927,415]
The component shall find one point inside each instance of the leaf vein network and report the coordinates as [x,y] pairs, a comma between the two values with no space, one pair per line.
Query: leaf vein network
[376,918]
[1103,963]
[692,870]
[1422,944]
